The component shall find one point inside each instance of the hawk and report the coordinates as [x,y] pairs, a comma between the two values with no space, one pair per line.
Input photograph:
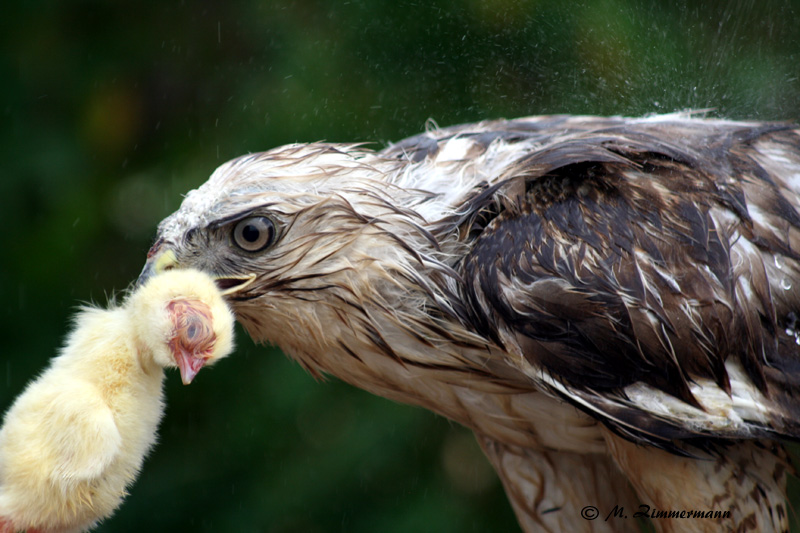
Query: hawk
[610,304]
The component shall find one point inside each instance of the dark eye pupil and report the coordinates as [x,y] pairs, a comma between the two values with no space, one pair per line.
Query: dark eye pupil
[251,233]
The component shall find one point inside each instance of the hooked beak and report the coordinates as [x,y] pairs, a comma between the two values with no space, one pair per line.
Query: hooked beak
[161,258]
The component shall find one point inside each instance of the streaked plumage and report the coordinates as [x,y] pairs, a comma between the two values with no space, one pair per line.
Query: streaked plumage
[599,299]
[75,439]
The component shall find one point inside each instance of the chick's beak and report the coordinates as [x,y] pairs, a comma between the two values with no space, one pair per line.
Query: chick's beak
[188,364]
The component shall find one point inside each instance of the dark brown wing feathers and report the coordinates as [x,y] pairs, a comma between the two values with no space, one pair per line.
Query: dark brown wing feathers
[601,255]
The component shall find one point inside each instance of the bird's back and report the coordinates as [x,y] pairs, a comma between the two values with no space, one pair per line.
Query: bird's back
[648,270]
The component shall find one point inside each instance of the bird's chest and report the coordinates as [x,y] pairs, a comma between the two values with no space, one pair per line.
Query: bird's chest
[446,380]
[458,376]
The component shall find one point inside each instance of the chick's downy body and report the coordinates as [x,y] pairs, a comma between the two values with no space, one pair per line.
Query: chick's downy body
[76,438]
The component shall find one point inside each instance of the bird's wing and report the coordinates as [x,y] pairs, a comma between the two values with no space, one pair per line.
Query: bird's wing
[94,440]
[635,271]
[70,427]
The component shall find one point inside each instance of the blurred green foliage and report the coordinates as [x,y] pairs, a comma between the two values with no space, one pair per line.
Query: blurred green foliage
[111,110]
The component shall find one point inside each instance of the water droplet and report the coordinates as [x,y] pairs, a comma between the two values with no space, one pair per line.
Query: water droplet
[778,262]
[791,324]
[786,284]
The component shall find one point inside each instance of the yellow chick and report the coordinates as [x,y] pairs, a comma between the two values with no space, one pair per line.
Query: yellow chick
[77,436]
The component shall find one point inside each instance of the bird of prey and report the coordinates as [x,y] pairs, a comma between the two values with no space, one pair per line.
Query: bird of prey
[612,305]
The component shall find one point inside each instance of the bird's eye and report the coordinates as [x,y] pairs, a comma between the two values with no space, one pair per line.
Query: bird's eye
[254,234]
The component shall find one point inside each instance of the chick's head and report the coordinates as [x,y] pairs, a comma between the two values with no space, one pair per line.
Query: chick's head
[180,318]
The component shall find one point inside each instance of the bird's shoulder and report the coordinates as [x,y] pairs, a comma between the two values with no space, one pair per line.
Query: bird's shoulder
[640,253]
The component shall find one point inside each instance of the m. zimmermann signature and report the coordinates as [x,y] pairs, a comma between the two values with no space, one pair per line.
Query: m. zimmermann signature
[591,512]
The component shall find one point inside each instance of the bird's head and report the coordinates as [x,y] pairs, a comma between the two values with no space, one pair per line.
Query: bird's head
[180,319]
[295,237]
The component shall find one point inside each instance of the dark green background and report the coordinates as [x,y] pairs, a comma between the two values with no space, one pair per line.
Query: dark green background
[111,110]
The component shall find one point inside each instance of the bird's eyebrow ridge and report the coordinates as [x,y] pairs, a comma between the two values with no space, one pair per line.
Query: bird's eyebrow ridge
[236,216]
